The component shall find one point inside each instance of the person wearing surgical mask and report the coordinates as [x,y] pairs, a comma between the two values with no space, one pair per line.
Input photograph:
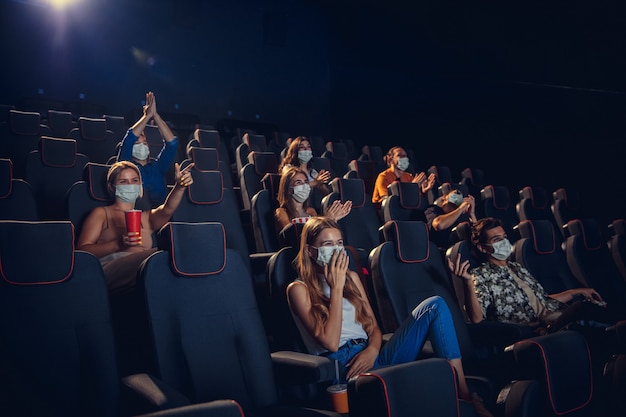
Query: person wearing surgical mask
[294,193]
[134,147]
[300,154]
[447,212]
[398,163]
[503,290]
[331,310]
[104,233]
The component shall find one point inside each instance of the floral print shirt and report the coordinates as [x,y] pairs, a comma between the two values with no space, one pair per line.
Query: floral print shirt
[503,300]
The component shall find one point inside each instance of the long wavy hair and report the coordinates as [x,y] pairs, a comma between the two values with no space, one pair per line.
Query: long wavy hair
[291,157]
[285,199]
[308,273]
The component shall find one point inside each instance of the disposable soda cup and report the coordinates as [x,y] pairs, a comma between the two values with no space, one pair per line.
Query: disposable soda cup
[133,221]
[339,397]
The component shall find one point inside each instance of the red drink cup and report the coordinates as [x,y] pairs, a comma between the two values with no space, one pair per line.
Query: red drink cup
[133,221]
[339,397]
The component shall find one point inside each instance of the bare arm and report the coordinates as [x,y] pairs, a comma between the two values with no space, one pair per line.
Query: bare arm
[90,233]
[300,303]
[566,296]
[162,214]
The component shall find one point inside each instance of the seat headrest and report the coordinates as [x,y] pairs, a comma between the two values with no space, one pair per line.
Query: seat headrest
[410,239]
[340,150]
[552,356]
[537,196]
[263,162]
[205,159]
[35,253]
[350,189]
[24,122]
[207,187]
[271,181]
[95,175]
[196,249]
[257,143]
[589,229]
[57,152]
[6,177]
[500,197]
[409,193]
[92,129]
[207,138]
[541,233]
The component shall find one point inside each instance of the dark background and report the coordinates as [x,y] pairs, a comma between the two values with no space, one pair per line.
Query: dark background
[531,92]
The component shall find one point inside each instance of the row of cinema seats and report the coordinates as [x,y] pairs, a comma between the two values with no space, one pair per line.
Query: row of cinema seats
[212,356]
[223,201]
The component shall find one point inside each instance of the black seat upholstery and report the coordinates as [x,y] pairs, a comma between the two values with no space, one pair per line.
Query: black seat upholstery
[59,122]
[497,203]
[20,136]
[565,207]
[405,202]
[442,174]
[94,140]
[259,164]
[51,170]
[538,251]
[591,262]
[365,170]
[534,204]
[360,226]
[218,346]
[338,158]
[250,143]
[53,296]
[208,159]
[17,199]
[87,194]
[617,245]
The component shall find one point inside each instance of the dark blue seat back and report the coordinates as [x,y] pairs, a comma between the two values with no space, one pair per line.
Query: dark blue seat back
[57,353]
[17,200]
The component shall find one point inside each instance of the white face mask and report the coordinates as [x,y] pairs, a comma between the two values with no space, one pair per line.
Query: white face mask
[455,198]
[403,163]
[502,249]
[301,192]
[324,253]
[127,193]
[141,151]
[305,156]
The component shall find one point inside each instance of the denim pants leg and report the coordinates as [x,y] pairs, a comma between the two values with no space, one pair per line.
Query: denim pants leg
[431,317]
[343,356]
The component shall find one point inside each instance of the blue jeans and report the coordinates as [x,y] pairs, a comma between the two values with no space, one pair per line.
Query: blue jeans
[431,318]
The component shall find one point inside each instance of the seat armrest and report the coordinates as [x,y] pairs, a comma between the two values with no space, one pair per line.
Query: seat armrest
[144,393]
[301,368]
[217,408]
[498,334]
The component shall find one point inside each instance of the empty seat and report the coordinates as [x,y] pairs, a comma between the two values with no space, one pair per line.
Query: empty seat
[87,194]
[250,143]
[365,170]
[60,123]
[539,252]
[337,153]
[20,136]
[51,170]
[497,203]
[591,262]
[565,207]
[534,204]
[218,347]
[207,159]
[17,199]
[94,140]
[259,164]
[405,202]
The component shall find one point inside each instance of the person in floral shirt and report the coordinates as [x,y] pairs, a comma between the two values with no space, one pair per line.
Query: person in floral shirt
[503,290]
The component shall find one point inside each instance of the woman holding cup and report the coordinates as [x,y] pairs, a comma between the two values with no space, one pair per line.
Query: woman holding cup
[334,316]
[105,232]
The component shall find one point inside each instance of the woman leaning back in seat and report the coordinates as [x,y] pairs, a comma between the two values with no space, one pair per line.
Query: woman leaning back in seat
[335,319]
[294,194]
[104,231]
